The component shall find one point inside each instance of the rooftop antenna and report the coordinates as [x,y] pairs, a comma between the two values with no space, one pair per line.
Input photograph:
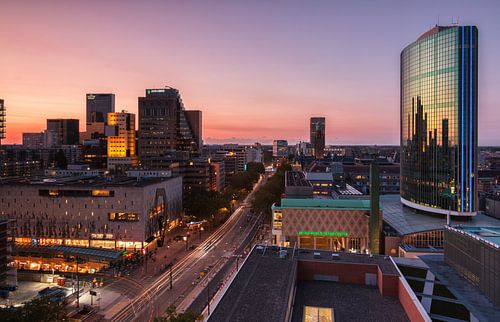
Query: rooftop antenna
[438,22]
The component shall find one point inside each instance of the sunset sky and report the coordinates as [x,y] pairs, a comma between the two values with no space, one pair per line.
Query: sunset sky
[257,69]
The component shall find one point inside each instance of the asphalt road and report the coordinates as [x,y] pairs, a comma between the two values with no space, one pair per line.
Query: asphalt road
[153,297]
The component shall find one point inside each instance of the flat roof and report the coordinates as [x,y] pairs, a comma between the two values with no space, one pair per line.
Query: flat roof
[106,254]
[337,204]
[464,293]
[82,181]
[349,302]
[488,234]
[406,221]
[261,289]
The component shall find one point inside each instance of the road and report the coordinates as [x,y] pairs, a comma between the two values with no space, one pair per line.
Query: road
[153,297]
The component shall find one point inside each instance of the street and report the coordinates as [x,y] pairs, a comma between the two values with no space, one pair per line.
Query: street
[143,297]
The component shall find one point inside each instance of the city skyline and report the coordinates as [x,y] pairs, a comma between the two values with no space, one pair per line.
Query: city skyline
[242,72]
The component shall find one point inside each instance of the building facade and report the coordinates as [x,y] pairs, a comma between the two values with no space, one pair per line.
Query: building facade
[117,213]
[329,224]
[165,128]
[98,107]
[34,140]
[121,140]
[317,136]
[474,252]
[280,148]
[439,121]
[66,131]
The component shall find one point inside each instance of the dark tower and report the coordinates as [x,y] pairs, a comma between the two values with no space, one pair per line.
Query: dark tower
[375,222]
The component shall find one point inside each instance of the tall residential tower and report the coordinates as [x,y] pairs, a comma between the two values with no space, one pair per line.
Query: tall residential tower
[439,121]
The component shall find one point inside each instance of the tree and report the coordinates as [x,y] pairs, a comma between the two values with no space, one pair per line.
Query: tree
[271,192]
[38,309]
[203,204]
[173,316]
[256,167]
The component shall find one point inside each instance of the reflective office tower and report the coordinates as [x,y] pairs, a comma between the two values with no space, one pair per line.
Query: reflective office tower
[98,107]
[317,134]
[63,131]
[166,130]
[439,121]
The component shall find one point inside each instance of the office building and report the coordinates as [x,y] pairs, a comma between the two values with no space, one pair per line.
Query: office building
[98,107]
[2,120]
[439,121]
[317,136]
[280,148]
[65,131]
[120,133]
[165,129]
[34,140]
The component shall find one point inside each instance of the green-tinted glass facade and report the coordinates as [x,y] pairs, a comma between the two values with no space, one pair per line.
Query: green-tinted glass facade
[439,121]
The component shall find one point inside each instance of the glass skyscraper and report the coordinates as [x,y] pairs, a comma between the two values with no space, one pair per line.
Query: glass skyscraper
[439,121]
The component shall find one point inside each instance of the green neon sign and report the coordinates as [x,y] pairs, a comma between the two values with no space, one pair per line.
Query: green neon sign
[324,233]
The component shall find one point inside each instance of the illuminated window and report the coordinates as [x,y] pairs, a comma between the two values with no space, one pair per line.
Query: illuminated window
[318,314]
[101,193]
[123,216]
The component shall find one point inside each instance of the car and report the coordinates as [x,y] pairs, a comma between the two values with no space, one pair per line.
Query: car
[178,237]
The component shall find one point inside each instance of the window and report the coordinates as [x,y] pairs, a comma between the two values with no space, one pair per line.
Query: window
[318,314]
[123,216]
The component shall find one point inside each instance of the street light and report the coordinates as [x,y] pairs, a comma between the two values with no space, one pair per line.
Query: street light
[186,240]
[201,229]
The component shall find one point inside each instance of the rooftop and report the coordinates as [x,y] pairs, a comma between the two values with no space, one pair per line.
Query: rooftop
[490,235]
[452,297]
[406,221]
[261,289]
[86,252]
[296,179]
[319,176]
[337,204]
[349,302]
[83,181]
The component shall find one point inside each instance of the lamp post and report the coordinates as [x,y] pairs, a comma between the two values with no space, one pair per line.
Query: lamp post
[201,229]
[237,259]
[186,240]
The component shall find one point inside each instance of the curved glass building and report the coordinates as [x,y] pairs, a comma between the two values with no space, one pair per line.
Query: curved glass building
[439,121]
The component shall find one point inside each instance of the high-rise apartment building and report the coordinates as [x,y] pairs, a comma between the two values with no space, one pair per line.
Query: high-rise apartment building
[98,107]
[439,121]
[121,140]
[165,129]
[65,131]
[317,136]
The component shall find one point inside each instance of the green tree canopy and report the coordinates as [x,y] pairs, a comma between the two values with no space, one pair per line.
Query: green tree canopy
[42,310]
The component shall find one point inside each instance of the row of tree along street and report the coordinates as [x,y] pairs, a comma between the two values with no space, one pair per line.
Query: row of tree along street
[272,191]
[209,205]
